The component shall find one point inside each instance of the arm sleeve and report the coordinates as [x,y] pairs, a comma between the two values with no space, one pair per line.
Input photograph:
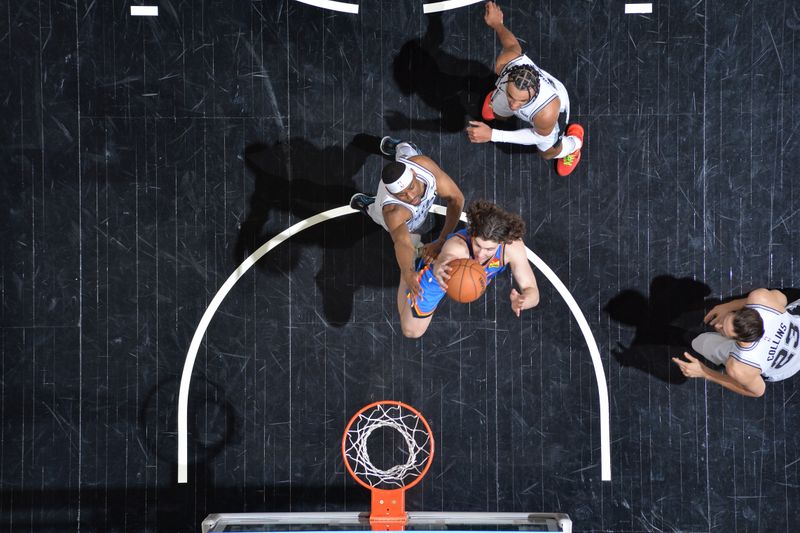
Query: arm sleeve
[526,136]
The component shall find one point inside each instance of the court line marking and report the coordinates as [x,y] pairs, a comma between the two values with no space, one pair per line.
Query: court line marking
[331,4]
[632,9]
[205,320]
[144,11]
[435,7]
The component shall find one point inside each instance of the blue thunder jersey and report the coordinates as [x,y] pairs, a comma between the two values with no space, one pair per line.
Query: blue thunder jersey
[418,212]
[432,292]
[777,352]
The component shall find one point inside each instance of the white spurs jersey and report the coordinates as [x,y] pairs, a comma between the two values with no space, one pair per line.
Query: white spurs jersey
[418,212]
[549,89]
[777,353]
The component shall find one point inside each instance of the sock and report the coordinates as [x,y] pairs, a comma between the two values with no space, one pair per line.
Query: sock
[569,144]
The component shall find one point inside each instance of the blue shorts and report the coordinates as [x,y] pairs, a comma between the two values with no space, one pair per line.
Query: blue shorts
[432,293]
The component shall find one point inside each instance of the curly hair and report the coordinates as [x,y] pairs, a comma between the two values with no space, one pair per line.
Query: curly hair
[489,221]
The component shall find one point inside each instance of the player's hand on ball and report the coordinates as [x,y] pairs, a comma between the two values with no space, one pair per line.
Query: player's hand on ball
[517,301]
[479,132]
[442,273]
[431,251]
[414,290]
[493,15]
[692,368]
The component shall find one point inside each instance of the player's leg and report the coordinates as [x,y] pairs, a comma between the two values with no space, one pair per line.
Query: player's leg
[714,347]
[412,327]
[370,206]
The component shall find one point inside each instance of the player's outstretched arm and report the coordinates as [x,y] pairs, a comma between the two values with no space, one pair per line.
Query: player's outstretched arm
[542,126]
[395,217]
[741,378]
[447,190]
[493,16]
[528,294]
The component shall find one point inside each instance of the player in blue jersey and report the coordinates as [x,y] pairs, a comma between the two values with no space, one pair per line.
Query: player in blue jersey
[493,237]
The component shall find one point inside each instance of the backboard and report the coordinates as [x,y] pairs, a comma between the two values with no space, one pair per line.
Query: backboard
[451,522]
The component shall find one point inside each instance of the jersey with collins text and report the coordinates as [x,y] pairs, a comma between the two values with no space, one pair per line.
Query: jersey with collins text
[777,353]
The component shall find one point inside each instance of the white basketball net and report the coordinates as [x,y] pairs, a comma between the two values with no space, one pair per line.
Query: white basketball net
[411,430]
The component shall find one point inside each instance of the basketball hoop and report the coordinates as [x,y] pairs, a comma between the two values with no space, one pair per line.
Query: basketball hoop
[388,485]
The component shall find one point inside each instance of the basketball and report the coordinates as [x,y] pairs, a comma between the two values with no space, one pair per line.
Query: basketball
[467,280]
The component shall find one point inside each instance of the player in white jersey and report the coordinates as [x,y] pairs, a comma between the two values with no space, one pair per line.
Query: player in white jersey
[408,187]
[757,340]
[526,91]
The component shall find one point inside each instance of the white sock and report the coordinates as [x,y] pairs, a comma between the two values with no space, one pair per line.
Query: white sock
[569,144]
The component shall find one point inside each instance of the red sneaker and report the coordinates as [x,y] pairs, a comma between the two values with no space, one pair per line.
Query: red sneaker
[486,111]
[567,164]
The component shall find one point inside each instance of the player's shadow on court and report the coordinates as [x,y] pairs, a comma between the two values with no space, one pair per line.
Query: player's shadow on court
[452,86]
[665,320]
[296,178]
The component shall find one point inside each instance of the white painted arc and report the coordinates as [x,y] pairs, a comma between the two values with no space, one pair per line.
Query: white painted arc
[594,352]
[197,339]
[344,7]
[436,7]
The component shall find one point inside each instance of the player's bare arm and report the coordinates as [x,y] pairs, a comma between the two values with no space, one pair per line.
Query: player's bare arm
[740,378]
[770,298]
[396,217]
[528,294]
[493,16]
[545,120]
[448,191]
[453,249]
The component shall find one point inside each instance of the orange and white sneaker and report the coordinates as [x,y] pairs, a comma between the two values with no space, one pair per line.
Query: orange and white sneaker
[567,164]
[486,111]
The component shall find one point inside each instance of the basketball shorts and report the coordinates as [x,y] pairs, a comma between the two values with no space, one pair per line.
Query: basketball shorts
[432,293]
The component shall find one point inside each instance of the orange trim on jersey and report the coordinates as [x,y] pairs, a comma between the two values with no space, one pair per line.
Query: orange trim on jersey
[416,312]
[419,314]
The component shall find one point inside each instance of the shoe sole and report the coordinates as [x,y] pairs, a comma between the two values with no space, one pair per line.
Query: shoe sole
[575,130]
[383,151]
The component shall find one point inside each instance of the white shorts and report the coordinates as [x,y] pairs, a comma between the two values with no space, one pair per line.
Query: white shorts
[714,347]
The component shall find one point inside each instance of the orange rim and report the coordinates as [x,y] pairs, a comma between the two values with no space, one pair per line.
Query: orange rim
[368,407]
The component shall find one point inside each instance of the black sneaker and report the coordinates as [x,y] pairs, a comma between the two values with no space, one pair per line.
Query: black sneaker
[360,202]
[389,146]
